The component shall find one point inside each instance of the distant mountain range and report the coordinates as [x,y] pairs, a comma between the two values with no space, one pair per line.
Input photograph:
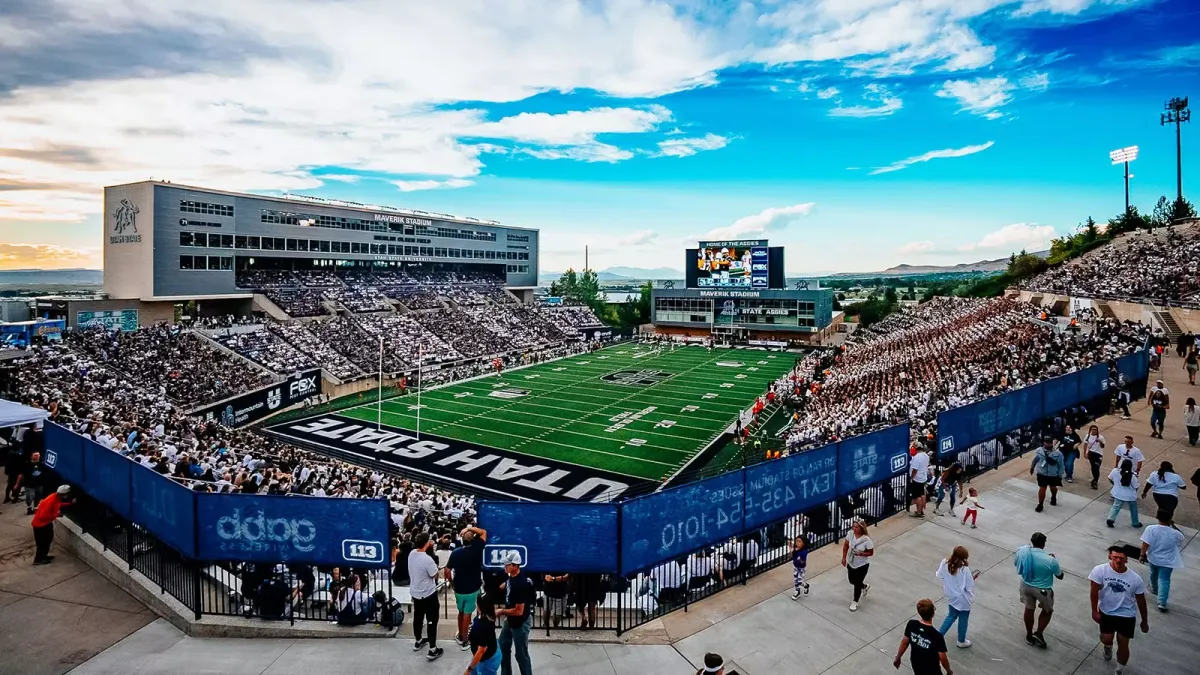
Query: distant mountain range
[68,277]
[982,266]
[622,274]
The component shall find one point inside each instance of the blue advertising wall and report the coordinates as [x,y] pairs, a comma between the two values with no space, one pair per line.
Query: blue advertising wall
[674,522]
[557,536]
[865,460]
[236,527]
[777,490]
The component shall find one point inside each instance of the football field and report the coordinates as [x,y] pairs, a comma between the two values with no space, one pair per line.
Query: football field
[635,410]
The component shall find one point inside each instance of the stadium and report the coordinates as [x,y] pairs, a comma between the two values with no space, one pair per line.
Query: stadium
[417,388]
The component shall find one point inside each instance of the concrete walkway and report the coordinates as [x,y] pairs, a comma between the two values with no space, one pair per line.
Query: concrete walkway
[54,617]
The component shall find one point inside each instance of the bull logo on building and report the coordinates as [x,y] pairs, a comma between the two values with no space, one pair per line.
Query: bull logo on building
[125,217]
[802,285]
[669,283]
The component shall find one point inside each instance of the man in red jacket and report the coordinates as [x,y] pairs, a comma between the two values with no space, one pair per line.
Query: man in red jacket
[47,512]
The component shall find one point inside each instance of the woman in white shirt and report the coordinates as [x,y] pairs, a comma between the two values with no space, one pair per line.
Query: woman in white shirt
[1093,449]
[1161,545]
[1166,485]
[1124,492]
[857,550]
[958,583]
[1191,420]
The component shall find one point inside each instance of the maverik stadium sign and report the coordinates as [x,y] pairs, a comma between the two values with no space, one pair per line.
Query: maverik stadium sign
[254,406]
[474,468]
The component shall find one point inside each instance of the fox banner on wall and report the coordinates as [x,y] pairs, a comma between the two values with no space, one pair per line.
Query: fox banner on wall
[251,407]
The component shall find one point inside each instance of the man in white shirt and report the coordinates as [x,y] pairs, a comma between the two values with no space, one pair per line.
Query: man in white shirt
[1118,594]
[918,476]
[423,574]
[1128,450]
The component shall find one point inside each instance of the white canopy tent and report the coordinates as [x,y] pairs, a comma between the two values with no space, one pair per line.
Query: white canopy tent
[14,414]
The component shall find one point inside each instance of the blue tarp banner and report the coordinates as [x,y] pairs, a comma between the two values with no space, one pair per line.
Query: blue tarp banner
[165,508]
[868,459]
[673,522]
[960,428]
[64,453]
[108,477]
[1018,408]
[1060,393]
[784,487]
[1134,366]
[316,530]
[1093,382]
[557,537]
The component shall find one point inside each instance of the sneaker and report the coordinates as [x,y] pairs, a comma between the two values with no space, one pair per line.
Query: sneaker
[1109,523]
[1039,507]
[1093,485]
[1030,641]
[806,589]
[459,641]
[1108,652]
[973,526]
[866,588]
[1137,525]
[1070,480]
[1124,417]
[28,512]
[1039,640]
[1162,607]
[964,644]
[952,512]
[1054,501]
[1120,669]
[420,643]
[796,594]
[435,654]
[41,562]
[853,605]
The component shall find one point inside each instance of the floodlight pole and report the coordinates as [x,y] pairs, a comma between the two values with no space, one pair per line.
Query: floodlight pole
[1126,186]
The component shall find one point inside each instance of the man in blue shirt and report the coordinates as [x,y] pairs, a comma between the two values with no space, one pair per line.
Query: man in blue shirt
[1038,570]
[466,564]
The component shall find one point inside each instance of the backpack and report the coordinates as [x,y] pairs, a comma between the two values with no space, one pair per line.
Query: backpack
[273,595]
[391,614]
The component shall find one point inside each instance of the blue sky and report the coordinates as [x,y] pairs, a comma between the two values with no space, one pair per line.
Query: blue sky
[858,133]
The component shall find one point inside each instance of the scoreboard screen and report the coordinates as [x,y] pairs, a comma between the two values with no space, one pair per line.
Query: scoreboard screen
[729,266]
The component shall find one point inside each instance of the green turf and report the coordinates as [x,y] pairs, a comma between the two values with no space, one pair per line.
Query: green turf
[569,412]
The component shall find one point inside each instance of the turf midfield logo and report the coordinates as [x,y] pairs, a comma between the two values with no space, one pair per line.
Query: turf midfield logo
[636,378]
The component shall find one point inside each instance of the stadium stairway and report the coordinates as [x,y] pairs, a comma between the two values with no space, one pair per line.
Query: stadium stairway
[1170,326]
[264,304]
[1105,310]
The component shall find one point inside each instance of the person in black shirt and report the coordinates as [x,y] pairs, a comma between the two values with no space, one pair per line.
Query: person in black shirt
[1068,443]
[464,570]
[482,638]
[928,645]
[32,480]
[519,598]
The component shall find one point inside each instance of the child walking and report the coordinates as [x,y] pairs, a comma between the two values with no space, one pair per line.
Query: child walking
[799,566]
[972,504]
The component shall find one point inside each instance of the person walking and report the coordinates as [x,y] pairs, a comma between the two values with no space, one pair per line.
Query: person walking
[1166,485]
[1124,493]
[519,598]
[31,480]
[958,583]
[1128,450]
[1160,403]
[1191,362]
[1093,445]
[1191,420]
[1048,463]
[928,646]
[799,567]
[48,511]
[1069,445]
[1038,570]
[857,550]
[1162,545]
[485,650]
[1118,595]
[423,574]
[972,506]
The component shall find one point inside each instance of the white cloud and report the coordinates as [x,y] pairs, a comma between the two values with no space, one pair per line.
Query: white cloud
[43,256]
[639,238]
[828,92]
[577,127]
[768,220]
[931,155]
[340,177]
[984,96]
[415,185]
[590,152]
[686,147]
[1027,236]
[881,102]
[915,247]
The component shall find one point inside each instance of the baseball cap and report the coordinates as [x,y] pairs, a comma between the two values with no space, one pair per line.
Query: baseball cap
[512,558]
[64,489]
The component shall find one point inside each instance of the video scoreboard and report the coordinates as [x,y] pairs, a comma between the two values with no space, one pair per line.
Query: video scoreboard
[735,264]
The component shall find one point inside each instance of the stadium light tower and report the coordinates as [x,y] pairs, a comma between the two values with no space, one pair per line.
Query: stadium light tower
[1125,156]
[1177,112]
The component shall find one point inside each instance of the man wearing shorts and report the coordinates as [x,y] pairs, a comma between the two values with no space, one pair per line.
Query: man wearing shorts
[1038,570]
[1118,595]
[466,564]
[1048,462]
[918,476]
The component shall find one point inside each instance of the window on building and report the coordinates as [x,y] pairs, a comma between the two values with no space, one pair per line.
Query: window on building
[226,240]
[252,242]
[185,238]
[185,262]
